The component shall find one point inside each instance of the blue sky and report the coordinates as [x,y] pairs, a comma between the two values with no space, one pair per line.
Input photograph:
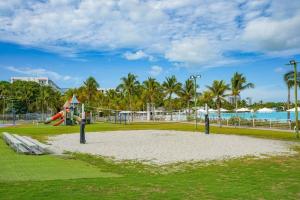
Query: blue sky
[71,40]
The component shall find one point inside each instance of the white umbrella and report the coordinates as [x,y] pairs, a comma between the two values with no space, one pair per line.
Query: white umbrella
[243,110]
[265,110]
[293,109]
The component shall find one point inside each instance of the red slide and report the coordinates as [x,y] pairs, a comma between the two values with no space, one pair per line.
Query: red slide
[59,122]
[55,117]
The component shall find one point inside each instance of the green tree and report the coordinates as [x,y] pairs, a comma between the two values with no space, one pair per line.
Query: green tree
[289,81]
[128,86]
[90,88]
[171,86]
[187,93]
[151,90]
[238,84]
[218,91]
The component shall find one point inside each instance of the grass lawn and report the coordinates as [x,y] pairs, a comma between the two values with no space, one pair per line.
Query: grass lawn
[42,131]
[80,176]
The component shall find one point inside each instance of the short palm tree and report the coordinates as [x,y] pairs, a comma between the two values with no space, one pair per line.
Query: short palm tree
[187,93]
[128,86]
[289,81]
[238,84]
[218,91]
[171,86]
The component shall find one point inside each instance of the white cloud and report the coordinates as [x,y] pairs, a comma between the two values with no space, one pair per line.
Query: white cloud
[137,55]
[271,36]
[196,32]
[155,70]
[40,72]
[266,93]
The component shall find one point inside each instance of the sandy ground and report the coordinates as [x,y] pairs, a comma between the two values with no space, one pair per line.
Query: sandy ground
[165,147]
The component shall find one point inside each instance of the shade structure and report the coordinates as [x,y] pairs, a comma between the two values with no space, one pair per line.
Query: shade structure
[293,109]
[243,110]
[265,110]
[125,112]
[223,110]
[212,110]
[74,100]
[201,110]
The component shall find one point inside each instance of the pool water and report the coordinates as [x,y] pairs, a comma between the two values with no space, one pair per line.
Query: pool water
[275,116]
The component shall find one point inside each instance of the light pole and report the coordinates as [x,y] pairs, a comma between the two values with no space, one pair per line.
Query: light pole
[294,63]
[194,77]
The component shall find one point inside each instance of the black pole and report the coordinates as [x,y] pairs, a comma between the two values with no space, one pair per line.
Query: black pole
[82,132]
[82,126]
[206,124]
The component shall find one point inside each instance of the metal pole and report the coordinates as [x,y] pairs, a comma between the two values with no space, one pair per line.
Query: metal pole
[296,98]
[195,100]
[82,127]
[194,77]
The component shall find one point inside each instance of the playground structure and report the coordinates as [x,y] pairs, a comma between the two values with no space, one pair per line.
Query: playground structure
[70,115]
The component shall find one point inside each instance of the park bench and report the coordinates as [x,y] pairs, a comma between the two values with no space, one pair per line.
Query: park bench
[24,144]
[16,144]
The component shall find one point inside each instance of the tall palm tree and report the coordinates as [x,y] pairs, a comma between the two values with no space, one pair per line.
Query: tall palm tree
[151,89]
[238,84]
[187,93]
[90,87]
[128,86]
[218,90]
[171,86]
[289,81]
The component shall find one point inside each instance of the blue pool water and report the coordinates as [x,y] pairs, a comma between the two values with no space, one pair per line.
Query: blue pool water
[276,116]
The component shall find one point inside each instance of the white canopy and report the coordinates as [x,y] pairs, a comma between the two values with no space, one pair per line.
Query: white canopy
[141,112]
[243,110]
[223,110]
[201,110]
[293,109]
[265,110]
[212,110]
[125,112]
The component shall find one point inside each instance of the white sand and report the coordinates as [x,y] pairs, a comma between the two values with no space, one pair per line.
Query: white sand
[163,147]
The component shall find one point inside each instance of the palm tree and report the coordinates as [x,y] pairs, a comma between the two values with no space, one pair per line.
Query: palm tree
[218,90]
[187,92]
[90,87]
[289,81]
[151,89]
[128,86]
[171,86]
[238,84]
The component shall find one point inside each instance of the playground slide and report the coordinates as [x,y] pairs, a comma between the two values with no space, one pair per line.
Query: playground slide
[59,122]
[54,117]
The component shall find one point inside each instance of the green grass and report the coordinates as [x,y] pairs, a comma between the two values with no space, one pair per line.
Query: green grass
[17,167]
[42,131]
[81,176]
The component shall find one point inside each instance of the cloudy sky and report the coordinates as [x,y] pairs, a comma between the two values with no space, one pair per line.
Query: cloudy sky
[69,40]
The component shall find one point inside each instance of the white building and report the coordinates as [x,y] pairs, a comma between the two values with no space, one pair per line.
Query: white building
[40,80]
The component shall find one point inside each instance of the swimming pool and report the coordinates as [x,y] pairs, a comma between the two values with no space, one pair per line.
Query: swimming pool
[275,116]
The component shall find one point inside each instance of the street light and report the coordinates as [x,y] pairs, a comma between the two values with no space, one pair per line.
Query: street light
[194,77]
[294,63]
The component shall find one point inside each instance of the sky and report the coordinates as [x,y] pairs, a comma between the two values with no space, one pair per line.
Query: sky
[70,40]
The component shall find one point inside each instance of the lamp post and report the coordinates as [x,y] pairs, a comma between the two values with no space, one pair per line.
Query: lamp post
[194,77]
[294,63]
